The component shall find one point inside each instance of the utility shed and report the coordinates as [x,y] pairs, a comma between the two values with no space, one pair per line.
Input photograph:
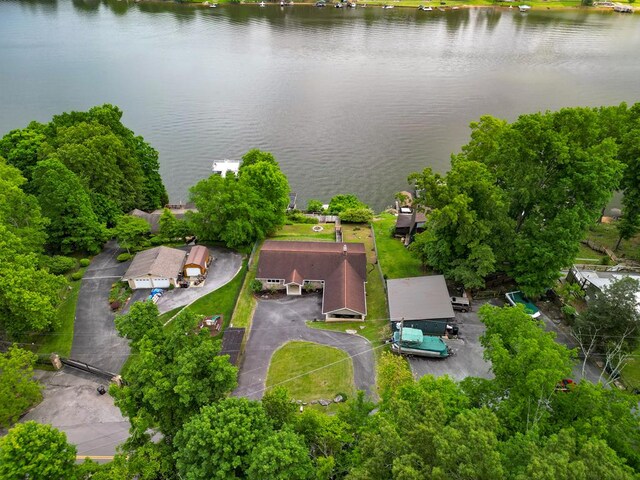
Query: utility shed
[422,302]
[197,261]
[231,343]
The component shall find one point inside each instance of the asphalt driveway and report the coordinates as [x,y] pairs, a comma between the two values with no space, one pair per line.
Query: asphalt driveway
[277,322]
[95,340]
[226,263]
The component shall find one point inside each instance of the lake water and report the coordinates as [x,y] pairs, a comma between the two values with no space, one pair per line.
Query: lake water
[347,100]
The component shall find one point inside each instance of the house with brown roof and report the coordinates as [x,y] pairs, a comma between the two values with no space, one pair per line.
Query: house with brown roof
[155,268]
[197,261]
[340,269]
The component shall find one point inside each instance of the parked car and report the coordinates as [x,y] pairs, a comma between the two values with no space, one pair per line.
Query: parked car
[461,304]
[519,298]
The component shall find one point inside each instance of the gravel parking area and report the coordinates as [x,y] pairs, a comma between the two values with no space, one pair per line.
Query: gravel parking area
[467,360]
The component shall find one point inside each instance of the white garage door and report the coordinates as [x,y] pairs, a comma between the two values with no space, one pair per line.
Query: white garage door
[161,283]
[193,272]
[142,283]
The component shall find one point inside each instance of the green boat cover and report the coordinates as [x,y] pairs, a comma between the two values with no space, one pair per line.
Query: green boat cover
[412,336]
[519,297]
[427,343]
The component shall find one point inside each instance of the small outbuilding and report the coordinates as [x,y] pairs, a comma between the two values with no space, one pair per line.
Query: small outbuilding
[421,302]
[157,267]
[197,261]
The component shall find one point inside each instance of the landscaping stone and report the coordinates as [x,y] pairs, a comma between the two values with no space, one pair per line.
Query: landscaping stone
[324,403]
[338,399]
[313,402]
[352,332]
[301,408]
[304,403]
[299,402]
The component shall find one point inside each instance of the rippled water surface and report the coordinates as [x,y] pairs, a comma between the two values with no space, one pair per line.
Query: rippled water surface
[348,100]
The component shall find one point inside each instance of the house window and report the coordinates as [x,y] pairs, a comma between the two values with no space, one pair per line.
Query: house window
[274,280]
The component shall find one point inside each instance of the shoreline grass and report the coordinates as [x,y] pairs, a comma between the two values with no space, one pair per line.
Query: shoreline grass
[395,260]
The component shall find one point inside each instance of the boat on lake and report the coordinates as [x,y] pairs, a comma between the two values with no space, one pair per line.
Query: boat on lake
[321,4]
[424,9]
[411,341]
[339,5]
[387,6]
[262,4]
[524,8]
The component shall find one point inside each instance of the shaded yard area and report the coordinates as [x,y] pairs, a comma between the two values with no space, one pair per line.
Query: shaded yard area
[394,258]
[606,234]
[311,372]
[304,232]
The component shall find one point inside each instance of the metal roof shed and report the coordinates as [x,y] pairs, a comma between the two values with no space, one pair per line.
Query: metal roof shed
[419,298]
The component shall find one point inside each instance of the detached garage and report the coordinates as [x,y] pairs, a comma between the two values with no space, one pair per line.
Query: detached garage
[197,261]
[157,267]
[421,302]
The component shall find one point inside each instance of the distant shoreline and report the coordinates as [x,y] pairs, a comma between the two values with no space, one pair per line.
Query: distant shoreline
[536,5]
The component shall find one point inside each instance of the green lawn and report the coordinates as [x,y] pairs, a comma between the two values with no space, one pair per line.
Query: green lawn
[394,258]
[246,303]
[61,340]
[631,372]
[304,232]
[311,372]
[587,255]
[606,234]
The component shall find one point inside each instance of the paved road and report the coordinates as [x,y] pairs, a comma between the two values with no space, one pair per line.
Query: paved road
[71,404]
[276,322]
[95,340]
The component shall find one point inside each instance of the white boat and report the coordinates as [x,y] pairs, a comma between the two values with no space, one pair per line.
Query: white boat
[524,8]
[262,4]
[387,6]
[213,5]
[425,9]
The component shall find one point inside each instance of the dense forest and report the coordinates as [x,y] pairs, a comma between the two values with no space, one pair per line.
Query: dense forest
[64,184]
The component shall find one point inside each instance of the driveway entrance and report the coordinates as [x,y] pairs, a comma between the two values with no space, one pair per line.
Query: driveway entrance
[277,322]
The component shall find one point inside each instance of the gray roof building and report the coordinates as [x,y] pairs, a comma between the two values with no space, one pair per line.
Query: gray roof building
[419,298]
[156,267]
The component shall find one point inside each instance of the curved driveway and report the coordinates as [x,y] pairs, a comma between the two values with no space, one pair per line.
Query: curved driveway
[277,322]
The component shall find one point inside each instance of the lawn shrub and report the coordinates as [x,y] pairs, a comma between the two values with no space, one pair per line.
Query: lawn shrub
[84,262]
[75,276]
[58,264]
[123,257]
[256,286]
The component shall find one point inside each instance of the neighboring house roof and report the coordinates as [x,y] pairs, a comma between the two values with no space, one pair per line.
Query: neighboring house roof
[342,267]
[404,220]
[231,343]
[602,280]
[419,298]
[161,262]
[151,218]
[198,256]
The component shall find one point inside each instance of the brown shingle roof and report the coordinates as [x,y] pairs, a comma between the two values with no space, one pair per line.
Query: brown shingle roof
[198,256]
[162,262]
[342,267]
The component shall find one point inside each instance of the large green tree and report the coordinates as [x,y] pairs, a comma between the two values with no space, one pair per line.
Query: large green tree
[239,211]
[218,442]
[30,294]
[280,456]
[468,229]
[130,231]
[119,170]
[18,389]
[35,451]
[173,374]
[73,225]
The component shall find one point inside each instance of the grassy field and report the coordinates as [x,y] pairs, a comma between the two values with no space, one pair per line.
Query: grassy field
[304,232]
[586,255]
[394,258]
[61,340]
[295,366]
[223,300]
[606,234]
[246,303]
[631,372]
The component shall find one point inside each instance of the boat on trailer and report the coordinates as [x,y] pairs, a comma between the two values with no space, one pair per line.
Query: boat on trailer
[411,341]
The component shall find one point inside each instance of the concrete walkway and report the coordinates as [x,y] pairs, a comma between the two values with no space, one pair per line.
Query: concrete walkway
[277,322]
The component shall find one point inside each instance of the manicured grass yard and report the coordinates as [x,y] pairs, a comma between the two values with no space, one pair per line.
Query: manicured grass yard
[246,304]
[221,301]
[631,372]
[394,258]
[586,255]
[296,366]
[304,232]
